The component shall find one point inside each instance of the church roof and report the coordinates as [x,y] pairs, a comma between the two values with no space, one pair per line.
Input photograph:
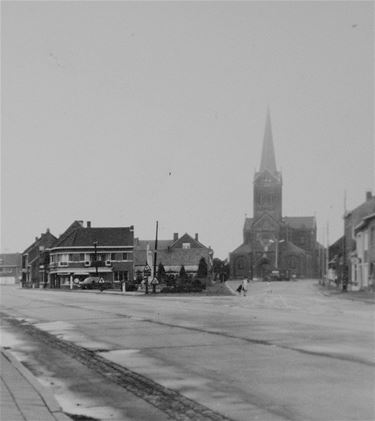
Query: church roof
[268,161]
[248,224]
[290,247]
[242,249]
[298,222]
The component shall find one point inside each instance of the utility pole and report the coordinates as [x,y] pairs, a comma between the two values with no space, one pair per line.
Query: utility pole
[156,249]
[96,258]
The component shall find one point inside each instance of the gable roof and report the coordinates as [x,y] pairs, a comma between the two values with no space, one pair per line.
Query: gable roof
[248,223]
[268,217]
[298,222]
[46,239]
[242,249]
[85,237]
[290,247]
[185,239]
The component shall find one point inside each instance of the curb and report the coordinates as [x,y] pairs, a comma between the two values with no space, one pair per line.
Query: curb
[47,397]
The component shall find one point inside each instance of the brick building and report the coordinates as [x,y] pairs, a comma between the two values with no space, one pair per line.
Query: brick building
[10,268]
[173,253]
[84,251]
[35,261]
[351,220]
[270,240]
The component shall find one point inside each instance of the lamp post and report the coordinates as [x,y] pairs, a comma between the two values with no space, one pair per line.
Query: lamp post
[95,258]
[277,252]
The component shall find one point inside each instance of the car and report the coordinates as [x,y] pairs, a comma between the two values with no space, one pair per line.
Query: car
[94,282]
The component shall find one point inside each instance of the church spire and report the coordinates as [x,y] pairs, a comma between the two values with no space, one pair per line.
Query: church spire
[268,161]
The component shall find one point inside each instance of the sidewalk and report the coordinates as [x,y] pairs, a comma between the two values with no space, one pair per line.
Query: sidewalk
[23,398]
[363,296]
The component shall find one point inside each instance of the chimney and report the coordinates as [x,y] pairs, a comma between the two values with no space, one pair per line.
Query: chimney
[88,224]
[368,195]
[47,230]
[196,236]
[175,236]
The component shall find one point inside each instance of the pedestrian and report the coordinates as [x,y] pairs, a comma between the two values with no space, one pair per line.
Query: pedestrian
[245,284]
[239,289]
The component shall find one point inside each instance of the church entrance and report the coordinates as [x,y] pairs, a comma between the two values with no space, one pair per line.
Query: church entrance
[263,268]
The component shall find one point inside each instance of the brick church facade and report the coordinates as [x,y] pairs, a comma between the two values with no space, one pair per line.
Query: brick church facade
[270,240]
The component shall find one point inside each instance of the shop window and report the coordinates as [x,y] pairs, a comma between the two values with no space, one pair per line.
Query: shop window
[120,275]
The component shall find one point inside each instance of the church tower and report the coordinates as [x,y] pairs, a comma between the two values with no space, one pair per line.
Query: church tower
[268,181]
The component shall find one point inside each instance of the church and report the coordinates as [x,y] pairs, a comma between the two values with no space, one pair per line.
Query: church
[271,241]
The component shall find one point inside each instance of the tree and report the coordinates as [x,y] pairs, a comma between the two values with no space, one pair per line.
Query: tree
[161,272]
[217,266]
[202,268]
[182,272]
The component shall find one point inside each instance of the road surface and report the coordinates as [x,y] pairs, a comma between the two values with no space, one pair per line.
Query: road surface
[283,352]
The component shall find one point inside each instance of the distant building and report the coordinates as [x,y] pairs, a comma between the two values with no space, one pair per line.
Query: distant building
[357,222]
[180,251]
[35,261]
[10,268]
[89,251]
[270,240]
[363,262]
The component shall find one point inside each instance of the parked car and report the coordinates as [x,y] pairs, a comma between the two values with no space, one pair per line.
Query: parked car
[93,282]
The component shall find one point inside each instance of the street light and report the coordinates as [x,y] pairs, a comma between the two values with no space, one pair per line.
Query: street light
[95,258]
[277,251]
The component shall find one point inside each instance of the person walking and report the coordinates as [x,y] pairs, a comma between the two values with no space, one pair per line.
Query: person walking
[245,284]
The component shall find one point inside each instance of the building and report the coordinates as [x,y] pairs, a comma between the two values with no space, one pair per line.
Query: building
[352,221]
[10,268]
[180,251]
[83,251]
[270,240]
[35,261]
[363,261]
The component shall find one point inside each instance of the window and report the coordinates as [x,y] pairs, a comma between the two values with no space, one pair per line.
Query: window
[372,236]
[120,275]
[124,256]
[185,245]
[293,262]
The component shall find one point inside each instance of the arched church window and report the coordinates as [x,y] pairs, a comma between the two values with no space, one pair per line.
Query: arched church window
[240,263]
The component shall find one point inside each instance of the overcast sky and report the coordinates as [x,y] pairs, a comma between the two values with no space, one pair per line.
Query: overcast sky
[124,113]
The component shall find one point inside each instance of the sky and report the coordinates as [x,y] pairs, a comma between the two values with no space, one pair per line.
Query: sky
[125,113]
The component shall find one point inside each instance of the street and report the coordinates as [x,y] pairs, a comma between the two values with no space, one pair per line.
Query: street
[283,352]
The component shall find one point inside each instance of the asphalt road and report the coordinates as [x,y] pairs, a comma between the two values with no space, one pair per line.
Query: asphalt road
[284,352]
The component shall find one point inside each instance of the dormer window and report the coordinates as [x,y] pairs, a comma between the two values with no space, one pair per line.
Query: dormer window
[185,245]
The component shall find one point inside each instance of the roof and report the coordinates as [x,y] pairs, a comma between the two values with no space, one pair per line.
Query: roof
[364,209]
[268,161]
[46,239]
[290,247]
[365,221]
[84,237]
[242,249]
[142,244]
[298,222]
[248,224]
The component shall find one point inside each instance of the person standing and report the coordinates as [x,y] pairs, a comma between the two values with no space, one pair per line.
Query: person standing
[245,284]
